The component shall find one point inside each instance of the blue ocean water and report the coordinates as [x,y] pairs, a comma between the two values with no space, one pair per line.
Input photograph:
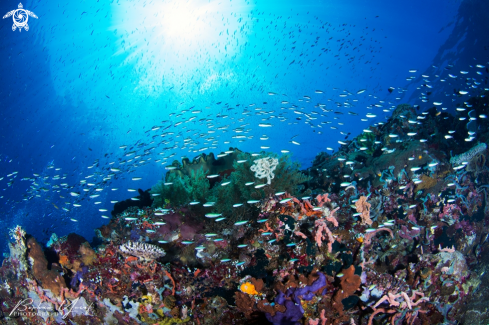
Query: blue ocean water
[90,77]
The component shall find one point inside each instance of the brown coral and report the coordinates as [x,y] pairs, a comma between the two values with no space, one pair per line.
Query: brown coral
[87,254]
[427,182]
[264,306]
[169,301]
[350,282]
[259,284]
[245,303]
[248,305]
[49,279]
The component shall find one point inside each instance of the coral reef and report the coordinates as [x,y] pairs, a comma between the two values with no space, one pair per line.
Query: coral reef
[363,238]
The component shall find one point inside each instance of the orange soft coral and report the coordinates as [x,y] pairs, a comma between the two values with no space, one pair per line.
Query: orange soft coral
[248,288]
[63,259]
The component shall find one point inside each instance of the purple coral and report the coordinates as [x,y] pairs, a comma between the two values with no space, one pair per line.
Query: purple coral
[135,235]
[79,276]
[292,302]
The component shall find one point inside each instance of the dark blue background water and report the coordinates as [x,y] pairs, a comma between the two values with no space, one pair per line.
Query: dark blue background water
[91,76]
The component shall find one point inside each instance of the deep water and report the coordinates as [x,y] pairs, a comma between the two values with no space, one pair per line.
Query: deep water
[90,77]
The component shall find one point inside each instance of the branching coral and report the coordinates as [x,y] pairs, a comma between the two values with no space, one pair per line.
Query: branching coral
[320,228]
[402,307]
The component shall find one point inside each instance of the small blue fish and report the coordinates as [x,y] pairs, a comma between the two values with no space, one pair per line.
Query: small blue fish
[186,242]
[262,220]
[213,215]
[240,223]
[242,246]
[225,260]
[266,233]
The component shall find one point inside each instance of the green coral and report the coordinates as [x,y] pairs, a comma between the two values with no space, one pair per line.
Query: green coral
[196,187]
[287,179]
[367,140]
[288,176]
[182,190]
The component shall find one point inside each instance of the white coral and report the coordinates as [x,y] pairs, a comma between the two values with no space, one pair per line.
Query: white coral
[142,250]
[264,168]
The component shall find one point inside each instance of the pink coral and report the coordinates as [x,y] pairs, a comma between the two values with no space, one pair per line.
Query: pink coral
[320,227]
[448,250]
[368,237]
[322,199]
[316,321]
[363,207]
[300,234]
